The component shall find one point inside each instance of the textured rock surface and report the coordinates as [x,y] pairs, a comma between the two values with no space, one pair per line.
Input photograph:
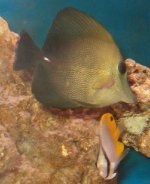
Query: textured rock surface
[136,119]
[40,145]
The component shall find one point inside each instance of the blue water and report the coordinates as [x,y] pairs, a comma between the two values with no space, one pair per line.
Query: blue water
[134,169]
[127,20]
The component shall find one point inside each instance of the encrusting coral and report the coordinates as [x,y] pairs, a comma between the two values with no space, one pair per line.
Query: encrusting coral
[45,145]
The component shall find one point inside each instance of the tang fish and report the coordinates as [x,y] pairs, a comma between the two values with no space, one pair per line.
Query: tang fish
[79,64]
[111,150]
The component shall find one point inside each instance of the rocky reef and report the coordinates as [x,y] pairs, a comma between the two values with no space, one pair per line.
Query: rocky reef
[40,145]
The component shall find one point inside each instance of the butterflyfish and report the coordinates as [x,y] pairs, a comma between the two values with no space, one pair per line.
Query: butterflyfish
[79,64]
[111,150]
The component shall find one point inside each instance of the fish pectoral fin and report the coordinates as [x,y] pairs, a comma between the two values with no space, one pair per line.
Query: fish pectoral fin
[103,84]
[71,24]
[27,53]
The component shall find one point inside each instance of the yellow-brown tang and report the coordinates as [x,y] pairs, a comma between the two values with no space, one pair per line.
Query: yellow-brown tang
[79,65]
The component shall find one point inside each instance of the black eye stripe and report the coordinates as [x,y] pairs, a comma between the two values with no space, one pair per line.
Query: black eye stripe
[122,67]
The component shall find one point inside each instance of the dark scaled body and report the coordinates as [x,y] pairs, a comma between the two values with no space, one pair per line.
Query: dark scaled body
[78,66]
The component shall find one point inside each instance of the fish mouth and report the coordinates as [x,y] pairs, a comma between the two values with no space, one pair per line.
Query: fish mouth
[131,99]
[128,95]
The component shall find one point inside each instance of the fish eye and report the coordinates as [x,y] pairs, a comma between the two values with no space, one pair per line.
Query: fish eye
[111,118]
[122,67]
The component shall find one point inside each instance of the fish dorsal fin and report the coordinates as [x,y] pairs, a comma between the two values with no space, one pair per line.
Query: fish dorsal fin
[71,24]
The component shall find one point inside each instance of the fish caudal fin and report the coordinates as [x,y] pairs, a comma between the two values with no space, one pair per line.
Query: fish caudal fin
[27,53]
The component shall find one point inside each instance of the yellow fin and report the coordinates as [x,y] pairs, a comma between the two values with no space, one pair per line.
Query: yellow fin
[119,148]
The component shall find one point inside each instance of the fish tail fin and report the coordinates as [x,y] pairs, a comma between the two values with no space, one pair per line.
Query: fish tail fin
[27,53]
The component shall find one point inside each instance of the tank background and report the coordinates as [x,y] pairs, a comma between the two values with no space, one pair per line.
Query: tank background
[134,169]
[128,22]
